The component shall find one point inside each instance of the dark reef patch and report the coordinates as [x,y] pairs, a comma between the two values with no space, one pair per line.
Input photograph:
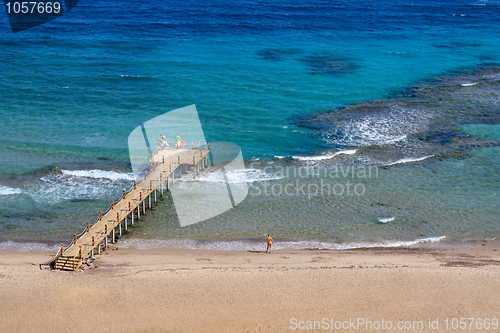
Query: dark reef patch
[276,54]
[423,120]
[329,64]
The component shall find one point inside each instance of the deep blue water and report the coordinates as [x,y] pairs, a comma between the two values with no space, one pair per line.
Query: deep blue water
[73,89]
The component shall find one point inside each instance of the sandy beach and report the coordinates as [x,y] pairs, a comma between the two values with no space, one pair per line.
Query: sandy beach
[162,290]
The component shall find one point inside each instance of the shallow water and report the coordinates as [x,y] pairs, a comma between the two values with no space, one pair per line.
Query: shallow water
[409,88]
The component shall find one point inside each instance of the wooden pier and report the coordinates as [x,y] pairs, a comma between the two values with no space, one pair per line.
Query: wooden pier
[164,166]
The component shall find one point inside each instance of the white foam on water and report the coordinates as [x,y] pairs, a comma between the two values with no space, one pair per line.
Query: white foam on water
[468,84]
[52,193]
[386,219]
[80,184]
[99,174]
[324,157]
[409,160]
[396,139]
[27,246]
[257,175]
[234,176]
[4,190]
[378,129]
[253,246]
[280,157]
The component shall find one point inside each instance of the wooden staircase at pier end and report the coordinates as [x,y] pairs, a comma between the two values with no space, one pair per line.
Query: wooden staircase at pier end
[162,173]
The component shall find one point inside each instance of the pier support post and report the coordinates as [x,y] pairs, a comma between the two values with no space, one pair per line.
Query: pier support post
[120,228]
[144,207]
[138,211]
[113,237]
[155,196]
[99,248]
[132,220]
[149,200]
[126,218]
[194,167]
[92,253]
[161,184]
[179,164]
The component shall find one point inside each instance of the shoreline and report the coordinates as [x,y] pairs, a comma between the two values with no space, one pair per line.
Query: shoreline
[286,244]
[113,255]
[165,290]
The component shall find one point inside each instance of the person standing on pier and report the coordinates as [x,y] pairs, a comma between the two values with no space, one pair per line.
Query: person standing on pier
[163,142]
[178,141]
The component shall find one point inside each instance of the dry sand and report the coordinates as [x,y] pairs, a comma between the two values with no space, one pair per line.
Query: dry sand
[161,290]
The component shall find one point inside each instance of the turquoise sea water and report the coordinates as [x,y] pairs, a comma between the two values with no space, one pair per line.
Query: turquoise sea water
[415,86]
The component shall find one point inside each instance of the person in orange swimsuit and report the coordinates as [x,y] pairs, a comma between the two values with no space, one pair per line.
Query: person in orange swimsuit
[269,244]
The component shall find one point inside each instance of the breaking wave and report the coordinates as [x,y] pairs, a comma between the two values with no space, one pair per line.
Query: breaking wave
[247,245]
[4,190]
[324,157]
[409,160]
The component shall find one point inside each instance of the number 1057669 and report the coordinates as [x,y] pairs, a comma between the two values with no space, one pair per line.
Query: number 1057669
[471,323]
[33,7]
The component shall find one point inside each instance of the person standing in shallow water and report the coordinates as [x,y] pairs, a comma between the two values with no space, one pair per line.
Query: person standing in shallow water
[269,244]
